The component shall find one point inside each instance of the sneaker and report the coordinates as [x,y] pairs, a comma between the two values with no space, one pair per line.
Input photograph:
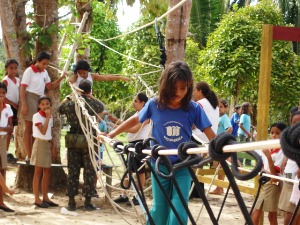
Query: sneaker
[89,207]
[134,201]
[11,159]
[121,199]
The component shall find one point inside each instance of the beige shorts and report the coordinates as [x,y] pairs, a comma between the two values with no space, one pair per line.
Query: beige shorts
[41,153]
[3,151]
[32,105]
[284,200]
[269,197]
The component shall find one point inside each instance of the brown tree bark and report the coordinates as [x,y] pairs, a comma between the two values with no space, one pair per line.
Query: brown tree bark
[176,30]
[15,37]
[46,14]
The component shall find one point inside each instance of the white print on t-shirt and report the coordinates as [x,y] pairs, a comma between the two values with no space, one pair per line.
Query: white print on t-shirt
[173,131]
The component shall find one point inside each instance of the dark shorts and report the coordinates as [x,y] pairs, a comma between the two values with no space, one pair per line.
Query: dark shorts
[15,116]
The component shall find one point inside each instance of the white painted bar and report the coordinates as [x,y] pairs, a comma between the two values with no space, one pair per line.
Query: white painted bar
[239,147]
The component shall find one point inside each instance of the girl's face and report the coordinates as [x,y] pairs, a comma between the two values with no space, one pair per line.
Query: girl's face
[83,73]
[222,108]
[197,94]
[275,133]
[12,69]
[137,104]
[2,94]
[44,104]
[295,119]
[180,90]
[43,64]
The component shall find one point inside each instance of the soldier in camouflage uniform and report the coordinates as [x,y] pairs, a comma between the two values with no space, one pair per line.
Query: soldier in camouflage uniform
[79,157]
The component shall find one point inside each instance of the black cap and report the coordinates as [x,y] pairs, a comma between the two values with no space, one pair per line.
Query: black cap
[237,106]
[86,86]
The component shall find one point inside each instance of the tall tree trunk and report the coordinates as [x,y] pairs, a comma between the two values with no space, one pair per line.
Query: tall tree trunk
[46,14]
[82,7]
[13,22]
[176,30]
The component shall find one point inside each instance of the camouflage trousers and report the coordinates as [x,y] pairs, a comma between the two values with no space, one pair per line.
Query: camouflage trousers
[78,158]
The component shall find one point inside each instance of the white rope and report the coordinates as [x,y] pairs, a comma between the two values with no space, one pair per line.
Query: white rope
[148,24]
[88,126]
[119,53]
[239,147]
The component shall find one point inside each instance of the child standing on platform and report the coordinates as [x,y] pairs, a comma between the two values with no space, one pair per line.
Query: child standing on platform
[34,81]
[6,115]
[12,96]
[173,115]
[269,195]
[43,151]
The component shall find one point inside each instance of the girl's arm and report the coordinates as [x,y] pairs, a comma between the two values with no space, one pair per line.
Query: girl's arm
[43,128]
[132,121]
[270,162]
[229,130]
[55,84]
[7,101]
[210,134]
[72,79]
[244,129]
[108,77]
[137,127]
[283,164]
[24,109]
[9,126]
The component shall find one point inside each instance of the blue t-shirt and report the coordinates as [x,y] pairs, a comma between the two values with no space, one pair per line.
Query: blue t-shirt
[103,128]
[171,127]
[234,123]
[246,121]
[224,124]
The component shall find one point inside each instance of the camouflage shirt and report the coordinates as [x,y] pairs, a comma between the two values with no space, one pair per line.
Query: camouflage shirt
[68,109]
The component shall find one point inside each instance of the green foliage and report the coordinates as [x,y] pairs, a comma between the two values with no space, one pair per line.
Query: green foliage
[232,58]
[105,61]
[143,45]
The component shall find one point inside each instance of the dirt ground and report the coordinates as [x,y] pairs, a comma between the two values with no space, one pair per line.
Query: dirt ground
[27,213]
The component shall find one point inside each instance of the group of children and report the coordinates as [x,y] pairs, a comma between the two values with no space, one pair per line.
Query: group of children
[172,112]
[35,108]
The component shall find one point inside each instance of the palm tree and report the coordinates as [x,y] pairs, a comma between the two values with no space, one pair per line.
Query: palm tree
[205,15]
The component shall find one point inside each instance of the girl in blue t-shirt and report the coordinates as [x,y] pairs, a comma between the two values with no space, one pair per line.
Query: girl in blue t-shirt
[173,115]
[245,123]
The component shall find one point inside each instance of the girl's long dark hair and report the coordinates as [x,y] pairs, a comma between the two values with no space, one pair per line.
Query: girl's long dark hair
[245,108]
[208,93]
[176,71]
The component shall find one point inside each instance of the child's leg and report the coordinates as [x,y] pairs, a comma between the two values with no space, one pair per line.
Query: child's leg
[36,183]
[255,216]
[273,218]
[1,189]
[45,183]
[160,208]
[28,138]
[183,179]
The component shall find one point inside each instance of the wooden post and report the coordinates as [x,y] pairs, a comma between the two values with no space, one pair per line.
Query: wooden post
[264,87]
[264,82]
